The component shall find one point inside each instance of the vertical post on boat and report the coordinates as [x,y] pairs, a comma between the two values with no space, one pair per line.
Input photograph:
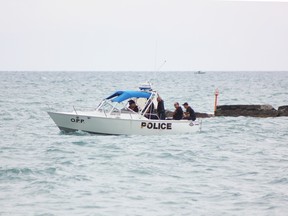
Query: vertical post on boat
[75,110]
[216,99]
[155,58]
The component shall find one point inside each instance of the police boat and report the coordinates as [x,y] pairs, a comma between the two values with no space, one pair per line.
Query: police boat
[114,117]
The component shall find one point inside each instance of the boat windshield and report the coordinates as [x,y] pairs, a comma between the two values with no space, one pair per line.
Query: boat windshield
[118,103]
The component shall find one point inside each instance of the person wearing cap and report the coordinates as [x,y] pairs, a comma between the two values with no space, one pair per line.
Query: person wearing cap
[178,113]
[133,106]
[160,108]
[189,114]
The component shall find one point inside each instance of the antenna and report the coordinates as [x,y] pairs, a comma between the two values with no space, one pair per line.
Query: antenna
[155,58]
[164,62]
[156,67]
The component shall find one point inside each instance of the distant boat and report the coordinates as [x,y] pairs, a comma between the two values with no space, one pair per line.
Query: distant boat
[199,72]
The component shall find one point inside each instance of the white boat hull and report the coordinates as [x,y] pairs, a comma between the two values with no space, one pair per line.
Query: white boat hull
[113,125]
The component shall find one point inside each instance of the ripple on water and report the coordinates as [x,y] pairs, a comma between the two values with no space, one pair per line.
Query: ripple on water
[15,172]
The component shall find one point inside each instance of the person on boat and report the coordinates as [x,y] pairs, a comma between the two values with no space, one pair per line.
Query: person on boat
[178,113]
[133,106]
[189,114]
[160,108]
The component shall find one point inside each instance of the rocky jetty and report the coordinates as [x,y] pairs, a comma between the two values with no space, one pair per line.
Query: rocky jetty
[260,111]
[169,114]
[250,110]
[283,111]
[203,115]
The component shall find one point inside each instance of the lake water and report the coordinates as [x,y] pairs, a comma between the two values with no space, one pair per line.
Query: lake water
[234,166]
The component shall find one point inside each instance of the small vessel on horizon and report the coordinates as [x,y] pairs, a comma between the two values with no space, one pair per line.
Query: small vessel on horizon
[199,72]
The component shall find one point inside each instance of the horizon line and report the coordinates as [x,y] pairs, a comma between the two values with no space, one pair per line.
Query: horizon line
[204,71]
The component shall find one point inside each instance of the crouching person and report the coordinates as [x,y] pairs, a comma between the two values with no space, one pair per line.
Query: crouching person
[178,113]
[189,114]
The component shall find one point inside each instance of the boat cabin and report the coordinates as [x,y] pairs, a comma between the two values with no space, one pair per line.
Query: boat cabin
[118,103]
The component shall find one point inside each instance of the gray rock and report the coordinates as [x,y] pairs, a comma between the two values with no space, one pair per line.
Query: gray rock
[283,111]
[203,115]
[169,114]
[266,107]
[246,110]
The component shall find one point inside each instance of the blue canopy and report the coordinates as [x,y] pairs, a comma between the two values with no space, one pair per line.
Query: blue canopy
[120,96]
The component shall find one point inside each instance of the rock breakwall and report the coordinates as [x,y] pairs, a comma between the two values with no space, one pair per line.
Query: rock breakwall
[261,111]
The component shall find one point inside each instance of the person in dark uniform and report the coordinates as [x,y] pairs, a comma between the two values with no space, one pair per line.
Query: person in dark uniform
[190,114]
[160,108]
[133,106]
[178,113]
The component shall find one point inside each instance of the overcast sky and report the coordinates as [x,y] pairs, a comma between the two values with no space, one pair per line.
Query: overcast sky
[120,35]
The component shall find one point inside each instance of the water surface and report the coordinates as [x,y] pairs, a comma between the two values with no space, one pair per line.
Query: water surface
[235,166]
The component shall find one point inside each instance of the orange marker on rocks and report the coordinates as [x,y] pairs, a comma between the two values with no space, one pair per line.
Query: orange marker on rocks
[216,99]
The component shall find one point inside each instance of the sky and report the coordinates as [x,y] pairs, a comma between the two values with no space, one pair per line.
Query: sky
[143,35]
